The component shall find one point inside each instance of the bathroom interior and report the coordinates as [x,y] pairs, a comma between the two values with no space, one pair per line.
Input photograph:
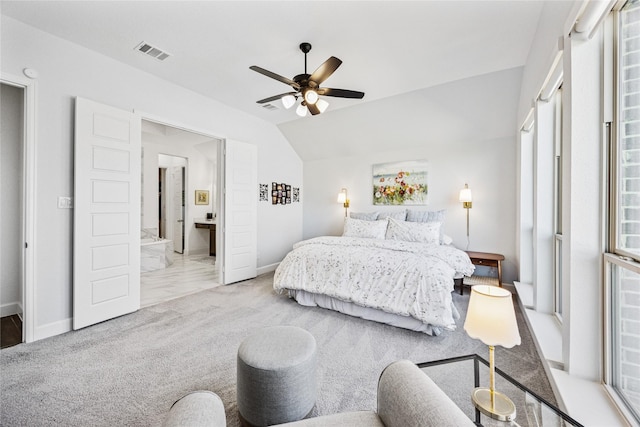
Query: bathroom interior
[175,165]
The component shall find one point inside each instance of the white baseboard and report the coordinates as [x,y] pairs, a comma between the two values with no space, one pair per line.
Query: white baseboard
[10,308]
[268,268]
[52,329]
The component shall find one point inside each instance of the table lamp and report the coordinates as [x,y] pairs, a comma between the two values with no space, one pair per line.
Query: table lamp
[491,318]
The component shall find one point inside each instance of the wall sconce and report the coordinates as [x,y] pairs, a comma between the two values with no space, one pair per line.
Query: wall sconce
[344,199]
[466,199]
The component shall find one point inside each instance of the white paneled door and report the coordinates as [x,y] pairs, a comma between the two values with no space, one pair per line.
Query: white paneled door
[106,256]
[240,209]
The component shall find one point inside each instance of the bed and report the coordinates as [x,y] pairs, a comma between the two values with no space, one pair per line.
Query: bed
[390,271]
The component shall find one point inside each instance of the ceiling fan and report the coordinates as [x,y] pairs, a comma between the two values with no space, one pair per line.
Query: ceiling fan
[307,86]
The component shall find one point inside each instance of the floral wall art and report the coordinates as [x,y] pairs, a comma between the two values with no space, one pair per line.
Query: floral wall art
[400,183]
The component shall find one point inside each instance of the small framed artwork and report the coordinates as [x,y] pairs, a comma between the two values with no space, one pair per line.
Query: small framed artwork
[264,192]
[202,197]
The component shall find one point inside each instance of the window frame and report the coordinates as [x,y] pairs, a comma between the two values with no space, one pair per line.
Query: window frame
[614,256]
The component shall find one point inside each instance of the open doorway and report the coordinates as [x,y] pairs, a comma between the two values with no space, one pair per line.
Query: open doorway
[177,165]
[12,127]
[171,199]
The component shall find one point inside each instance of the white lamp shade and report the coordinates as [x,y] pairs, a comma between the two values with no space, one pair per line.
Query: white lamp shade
[322,105]
[301,110]
[342,196]
[491,317]
[465,194]
[311,96]
[288,101]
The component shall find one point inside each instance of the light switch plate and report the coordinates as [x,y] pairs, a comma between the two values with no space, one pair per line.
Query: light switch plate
[65,202]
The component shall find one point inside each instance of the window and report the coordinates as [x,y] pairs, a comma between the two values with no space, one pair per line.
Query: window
[557,205]
[627,230]
[622,261]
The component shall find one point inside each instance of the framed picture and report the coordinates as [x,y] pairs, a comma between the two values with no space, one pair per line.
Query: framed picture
[283,194]
[400,183]
[264,193]
[202,197]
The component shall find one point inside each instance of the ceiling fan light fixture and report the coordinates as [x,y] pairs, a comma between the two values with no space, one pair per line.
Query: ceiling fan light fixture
[322,105]
[302,109]
[288,101]
[311,96]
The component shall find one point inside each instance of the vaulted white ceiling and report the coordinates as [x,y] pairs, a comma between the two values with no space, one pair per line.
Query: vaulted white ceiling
[388,48]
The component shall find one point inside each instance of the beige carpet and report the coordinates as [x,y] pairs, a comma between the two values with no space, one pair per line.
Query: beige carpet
[128,371]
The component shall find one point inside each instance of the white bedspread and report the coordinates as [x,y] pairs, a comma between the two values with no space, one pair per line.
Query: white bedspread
[403,278]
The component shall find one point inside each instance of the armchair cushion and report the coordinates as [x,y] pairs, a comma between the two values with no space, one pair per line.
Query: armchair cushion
[408,397]
[197,409]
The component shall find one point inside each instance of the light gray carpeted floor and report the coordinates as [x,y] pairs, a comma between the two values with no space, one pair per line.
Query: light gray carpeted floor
[128,371]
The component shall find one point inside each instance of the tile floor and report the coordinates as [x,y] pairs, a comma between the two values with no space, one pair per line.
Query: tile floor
[187,275]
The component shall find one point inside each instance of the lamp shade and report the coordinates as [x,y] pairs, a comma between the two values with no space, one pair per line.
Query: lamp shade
[322,105]
[465,194]
[342,196]
[491,317]
[288,101]
[301,110]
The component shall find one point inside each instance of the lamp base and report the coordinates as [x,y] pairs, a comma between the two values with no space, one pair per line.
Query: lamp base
[502,409]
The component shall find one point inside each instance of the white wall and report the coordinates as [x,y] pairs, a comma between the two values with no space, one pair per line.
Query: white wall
[464,130]
[582,223]
[11,199]
[485,165]
[556,20]
[67,70]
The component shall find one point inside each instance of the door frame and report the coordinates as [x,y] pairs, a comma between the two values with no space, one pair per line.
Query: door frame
[170,206]
[29,87]
[220,169]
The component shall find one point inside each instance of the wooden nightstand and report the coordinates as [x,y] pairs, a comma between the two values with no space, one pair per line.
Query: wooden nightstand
[487,260]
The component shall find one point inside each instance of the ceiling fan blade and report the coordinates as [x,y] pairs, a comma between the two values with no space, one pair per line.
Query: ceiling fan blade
[327,68]
[275,97]
[275,76]
[340,93]
[313,109]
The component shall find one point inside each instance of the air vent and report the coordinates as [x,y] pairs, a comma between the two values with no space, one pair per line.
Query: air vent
[269,107]
[152,51]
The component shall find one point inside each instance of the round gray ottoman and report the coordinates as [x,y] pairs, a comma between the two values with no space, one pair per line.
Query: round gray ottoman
[276,376]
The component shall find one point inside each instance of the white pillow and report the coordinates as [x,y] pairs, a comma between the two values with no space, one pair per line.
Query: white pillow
[367,216]
[423,232]
[397,215]
[429,216]
[368,229]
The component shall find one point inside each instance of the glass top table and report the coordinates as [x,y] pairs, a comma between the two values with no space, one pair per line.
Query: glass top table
[458,376]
